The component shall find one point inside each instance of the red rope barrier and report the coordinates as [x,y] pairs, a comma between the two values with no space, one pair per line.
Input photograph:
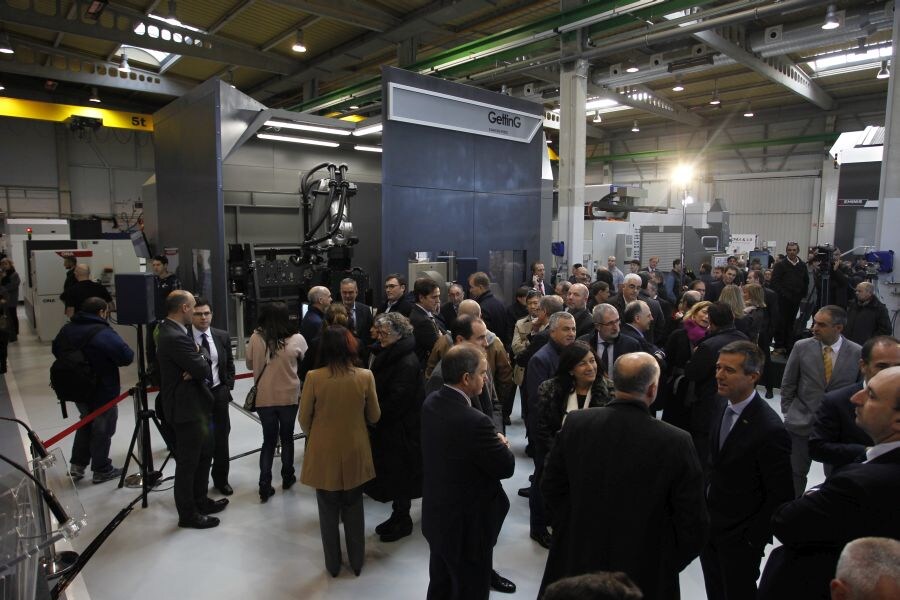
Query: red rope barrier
[96,413]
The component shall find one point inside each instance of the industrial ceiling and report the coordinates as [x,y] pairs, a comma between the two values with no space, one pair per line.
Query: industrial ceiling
[651,61]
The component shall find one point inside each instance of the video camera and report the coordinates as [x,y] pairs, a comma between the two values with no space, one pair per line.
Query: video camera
[824,257]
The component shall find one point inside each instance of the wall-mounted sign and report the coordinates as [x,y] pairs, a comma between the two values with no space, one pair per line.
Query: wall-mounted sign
[434,109]
[857,203]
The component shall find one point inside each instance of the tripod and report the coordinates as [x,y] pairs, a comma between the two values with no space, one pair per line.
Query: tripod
[148,476]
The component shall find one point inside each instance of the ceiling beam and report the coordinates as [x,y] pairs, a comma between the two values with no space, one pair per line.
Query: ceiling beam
[647,101]
[345,11]
[778,70]
[100,77]
[209,47]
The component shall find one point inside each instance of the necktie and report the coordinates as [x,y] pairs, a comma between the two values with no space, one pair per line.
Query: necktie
[829,365]
[352,322]
[207,353]
[605,357]
[727,422]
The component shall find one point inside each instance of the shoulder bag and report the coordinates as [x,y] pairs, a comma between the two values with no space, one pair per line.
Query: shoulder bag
[250,400]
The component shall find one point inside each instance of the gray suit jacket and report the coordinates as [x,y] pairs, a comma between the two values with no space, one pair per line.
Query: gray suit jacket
[803,386]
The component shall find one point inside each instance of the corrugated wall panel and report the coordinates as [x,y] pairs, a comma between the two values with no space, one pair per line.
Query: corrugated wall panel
[775,209]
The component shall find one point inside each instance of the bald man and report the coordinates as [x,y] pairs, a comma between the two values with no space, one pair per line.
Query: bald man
[319,298]
[576,305]
[83,288]
[868,569]
[867,316]
[860,500]
[593,464]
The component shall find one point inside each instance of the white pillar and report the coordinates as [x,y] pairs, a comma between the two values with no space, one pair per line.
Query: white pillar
[573,95]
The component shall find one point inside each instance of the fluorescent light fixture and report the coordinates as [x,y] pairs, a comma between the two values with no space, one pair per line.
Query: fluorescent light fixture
[631,67]
[5,46]
[299,46]
[304,127]
[125,67]
[173,13]
[600,103]
[353,107]
[839,63]
[678,87]
[363,148]
[749,112]
[883,72]
[831,19]
[635,127]
[369,129]
[296,140]
[714,100]
[598,118]
[95,97]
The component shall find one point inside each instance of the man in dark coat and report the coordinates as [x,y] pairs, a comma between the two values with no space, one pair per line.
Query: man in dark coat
[221,361]
[187,402]
[637,322]
[360,316]
[105,351]
[319,298]
[396,450]
[790,280]
[576,305]
[749,476]
[395,295]
[606,339]
[492,310]
[867,316]
[858,501]
[426,327]
[620,456]
[450,308]
[701,370]
[836,439]
[464,460]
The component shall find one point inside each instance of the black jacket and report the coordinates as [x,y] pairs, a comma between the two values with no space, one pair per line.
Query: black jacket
[396,450]
[448,314]
[182,400]
[701,369]
[106,352]
[866,320]
[584,323]
[493,313]
[426,331]
[836,439]
[623,345]
[790,281]
[226,358]
[552,402]
[403,306]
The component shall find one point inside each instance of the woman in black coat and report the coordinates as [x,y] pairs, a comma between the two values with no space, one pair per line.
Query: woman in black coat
[679,349]
[578,384]
[396,449]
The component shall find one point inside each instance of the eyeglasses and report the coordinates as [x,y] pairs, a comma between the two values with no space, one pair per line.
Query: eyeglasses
[608,323]
[390,286]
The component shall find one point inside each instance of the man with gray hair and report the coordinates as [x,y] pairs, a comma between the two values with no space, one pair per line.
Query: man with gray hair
[619,455]
[542,367]
[576,305]
[867,316]
[606,340]
[868,569]
[319,298]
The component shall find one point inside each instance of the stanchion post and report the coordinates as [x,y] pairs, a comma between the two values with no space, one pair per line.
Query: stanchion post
[53,563]
[240,351]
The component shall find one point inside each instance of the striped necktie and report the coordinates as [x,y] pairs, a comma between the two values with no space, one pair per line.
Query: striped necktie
[829,365]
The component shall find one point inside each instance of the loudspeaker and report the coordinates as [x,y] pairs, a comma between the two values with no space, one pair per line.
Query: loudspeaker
[135,298]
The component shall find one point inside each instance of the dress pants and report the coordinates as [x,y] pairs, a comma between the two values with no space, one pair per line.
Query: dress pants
[800,462]
[12,317]
[538,518]
[92,442]
[221,428]
[277,423]
[345,506]
[730,569]
[460,576]
[193,455]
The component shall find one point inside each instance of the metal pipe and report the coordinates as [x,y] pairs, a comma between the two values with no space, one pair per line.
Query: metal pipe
[716,22]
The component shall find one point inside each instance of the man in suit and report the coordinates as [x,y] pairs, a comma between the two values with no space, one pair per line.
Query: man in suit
[542,367]
[790,280]
[450,309]
[637,324]
[619,456]
[463,503]
[492,310]
[185,375]
[631,291]
[858,501]
[836,439]
[606,340]
[868,567]
[537,278]
[714,289]
[426,328]
[749,476]
[817,365]
[576,305]
[319,298]
[215,344]
[701,370]
[360,316]
[395,295]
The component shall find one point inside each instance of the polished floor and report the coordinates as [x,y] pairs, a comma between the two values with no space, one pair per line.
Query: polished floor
[267,550]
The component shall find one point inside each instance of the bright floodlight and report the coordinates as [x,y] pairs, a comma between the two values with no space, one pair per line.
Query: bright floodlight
[683,174]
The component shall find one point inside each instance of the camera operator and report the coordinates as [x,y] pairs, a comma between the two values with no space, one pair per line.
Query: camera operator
[826,262]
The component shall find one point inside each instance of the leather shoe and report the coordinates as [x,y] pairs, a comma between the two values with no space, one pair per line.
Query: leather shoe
[525,492]
[226,489]
[199,522]
[502,584]
[266,492]
[287,483]
[211,507]
[542,537]
[401,528]
[769,395]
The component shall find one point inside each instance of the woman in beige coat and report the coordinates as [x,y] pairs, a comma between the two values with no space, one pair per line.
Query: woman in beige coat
[277,349]
[337,402]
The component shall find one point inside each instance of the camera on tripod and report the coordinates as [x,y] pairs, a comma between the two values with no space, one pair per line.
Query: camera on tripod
[824,257]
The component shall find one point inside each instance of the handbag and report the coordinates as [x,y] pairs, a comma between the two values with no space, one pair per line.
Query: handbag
[250,400]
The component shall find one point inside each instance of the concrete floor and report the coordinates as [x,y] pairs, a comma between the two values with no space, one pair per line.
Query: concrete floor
[260,550]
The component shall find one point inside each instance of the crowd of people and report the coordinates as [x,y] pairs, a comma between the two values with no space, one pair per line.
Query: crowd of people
[651,446]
